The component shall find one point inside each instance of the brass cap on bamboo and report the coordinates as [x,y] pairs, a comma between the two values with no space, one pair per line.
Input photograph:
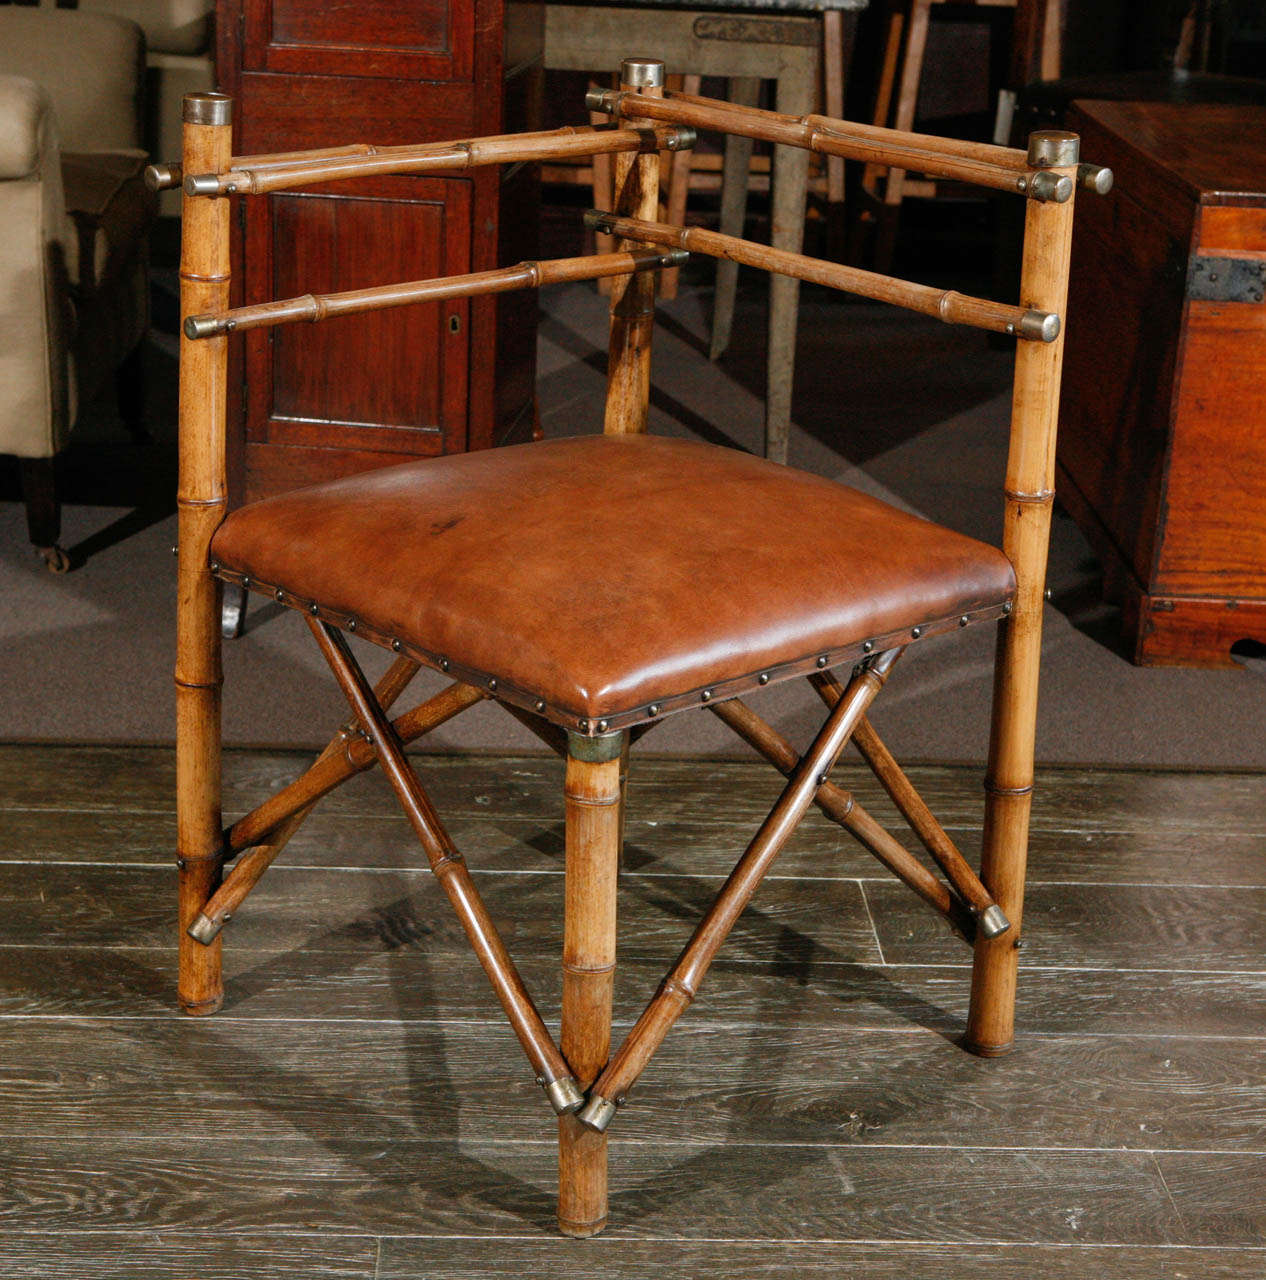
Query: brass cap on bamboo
[597,1113]
[595,750]
[1052,188]
[1094,177]
[564,1095]
[642,73]
[204,929]
[203,327]
[201,184]
[161,177]
[1053,148]
[208,108]
[682,138]
[1038,326]
[992,921]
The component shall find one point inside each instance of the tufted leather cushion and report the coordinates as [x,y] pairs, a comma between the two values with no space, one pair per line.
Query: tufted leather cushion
[603,574]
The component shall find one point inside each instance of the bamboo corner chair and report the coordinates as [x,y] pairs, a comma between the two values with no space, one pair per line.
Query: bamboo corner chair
[714,573]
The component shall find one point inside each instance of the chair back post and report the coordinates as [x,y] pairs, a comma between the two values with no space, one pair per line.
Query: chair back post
[1030,493]
[633,296]
[201,504]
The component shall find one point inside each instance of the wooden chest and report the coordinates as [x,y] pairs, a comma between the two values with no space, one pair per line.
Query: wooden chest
[366,391]
[1162,445]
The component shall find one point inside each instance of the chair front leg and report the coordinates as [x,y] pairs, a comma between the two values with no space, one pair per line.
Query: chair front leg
[594,807]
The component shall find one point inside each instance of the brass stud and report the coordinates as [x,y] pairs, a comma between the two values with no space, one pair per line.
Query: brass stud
[822,661]
[246,584]
[279,595]
[915,632]
[763,677]
[653,709]
[583,725]
[964,620]
[492,684]
[540,704]
[215,566]
[602,726]
[395,646]
[706,695]
[351,624]
[443,664]
[822,779]
[868,646]
[314,609]
[1006,608]
[175,551]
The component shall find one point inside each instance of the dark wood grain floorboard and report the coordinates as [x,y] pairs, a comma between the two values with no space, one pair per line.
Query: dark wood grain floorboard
[177,1254]
[810,989]
[745,1192]
[615,1259]
[781,1084]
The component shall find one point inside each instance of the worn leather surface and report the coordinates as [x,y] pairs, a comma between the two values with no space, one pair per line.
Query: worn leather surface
[604,573]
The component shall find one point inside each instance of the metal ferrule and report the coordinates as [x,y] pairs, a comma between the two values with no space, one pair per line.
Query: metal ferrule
[604,100]
[1038,326]
[564,1095]
[992,921]
[207,108]
[201,184]
[203,327]
[598,220]
[162,177]
[642,73]
[682,138]
[1094,177]
[597,1113]
[674,258]
[1051,188]
[204,929]
[595,750]
[1053,148]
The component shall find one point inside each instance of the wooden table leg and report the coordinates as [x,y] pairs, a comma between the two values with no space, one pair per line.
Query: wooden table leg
[593,803]
[744,91]
[791,177]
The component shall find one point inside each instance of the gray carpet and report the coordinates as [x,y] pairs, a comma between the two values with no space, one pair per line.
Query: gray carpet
[902,406]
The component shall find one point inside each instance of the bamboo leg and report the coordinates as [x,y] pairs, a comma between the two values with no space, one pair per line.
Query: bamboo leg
[791,177]
[594,818]
[682,983]
[633,296]
[1030,488]
[679,167]
[841,807]
[922,820]
[552,1072]
[201,498]
[744,92]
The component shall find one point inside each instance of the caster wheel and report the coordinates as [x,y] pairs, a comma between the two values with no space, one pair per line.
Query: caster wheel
[55,559]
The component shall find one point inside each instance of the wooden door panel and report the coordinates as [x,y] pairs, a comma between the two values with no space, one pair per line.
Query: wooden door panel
[392,380]
[408,39]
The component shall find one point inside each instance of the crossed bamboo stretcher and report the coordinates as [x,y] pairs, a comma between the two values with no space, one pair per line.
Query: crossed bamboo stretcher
[583,1080]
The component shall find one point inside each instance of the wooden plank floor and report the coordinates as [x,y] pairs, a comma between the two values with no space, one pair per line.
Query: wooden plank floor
[359,1108]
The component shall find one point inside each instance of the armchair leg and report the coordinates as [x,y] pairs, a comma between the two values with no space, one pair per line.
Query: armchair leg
[43,511]
[594,818]
[129,388]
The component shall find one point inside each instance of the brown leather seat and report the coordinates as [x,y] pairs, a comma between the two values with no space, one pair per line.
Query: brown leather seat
[613,578]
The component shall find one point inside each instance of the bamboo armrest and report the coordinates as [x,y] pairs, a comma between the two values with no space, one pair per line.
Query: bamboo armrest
[526,275]
[945,304]
[255,175]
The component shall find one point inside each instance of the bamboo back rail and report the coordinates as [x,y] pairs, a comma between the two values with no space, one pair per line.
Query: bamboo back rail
[527,275]
[258,175]
[981,164]
[945,304]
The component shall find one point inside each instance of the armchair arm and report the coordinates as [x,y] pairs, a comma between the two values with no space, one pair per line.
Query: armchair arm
[26,127]
[90,64]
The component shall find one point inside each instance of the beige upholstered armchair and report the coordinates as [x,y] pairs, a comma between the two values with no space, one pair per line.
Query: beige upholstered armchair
[75,214]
